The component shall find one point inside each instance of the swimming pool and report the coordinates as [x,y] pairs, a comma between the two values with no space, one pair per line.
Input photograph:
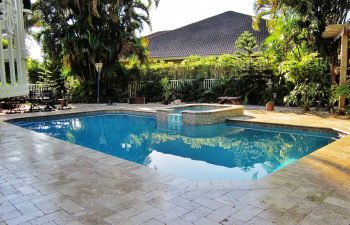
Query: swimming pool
[212,152]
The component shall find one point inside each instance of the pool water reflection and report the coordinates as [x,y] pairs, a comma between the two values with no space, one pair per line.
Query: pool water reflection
[212,152]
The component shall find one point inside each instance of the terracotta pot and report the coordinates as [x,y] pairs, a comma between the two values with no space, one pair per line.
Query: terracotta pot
[62,102]
[270,106]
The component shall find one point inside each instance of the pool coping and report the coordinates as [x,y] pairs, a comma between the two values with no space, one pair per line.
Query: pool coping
[338,132]
[222,107]
[267,181]
[153,114]
[216,113]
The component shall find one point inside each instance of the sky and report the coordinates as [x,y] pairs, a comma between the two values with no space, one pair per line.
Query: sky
[172,14]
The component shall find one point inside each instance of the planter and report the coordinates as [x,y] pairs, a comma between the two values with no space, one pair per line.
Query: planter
[270,106]
[306,109]
[137,100]
[63,102]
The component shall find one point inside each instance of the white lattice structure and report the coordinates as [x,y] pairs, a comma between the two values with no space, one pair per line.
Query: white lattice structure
[13,73]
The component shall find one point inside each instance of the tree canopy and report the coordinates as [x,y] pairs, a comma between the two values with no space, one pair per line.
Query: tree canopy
[313,15]
[79,33]
[246,42]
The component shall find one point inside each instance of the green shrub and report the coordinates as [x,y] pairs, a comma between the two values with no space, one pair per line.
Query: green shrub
[191,91]
[152,91]
[306,95]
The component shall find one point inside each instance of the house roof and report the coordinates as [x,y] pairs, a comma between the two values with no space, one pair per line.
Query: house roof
[155,34]
[212,36]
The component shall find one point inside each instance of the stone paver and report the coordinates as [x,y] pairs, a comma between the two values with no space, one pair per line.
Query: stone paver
[247,213]
[196,214]
[222,213]
[146,215]
[171,214]
[48,181]
[205,221]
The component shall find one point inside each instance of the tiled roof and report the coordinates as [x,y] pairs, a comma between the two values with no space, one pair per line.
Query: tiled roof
[212,36]
[156,34]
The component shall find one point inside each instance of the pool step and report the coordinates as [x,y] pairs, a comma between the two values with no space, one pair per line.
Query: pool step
[175,118]
[175,121]
[177,127]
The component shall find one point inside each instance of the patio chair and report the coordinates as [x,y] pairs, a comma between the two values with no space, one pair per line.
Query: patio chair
[48,99]
[230,100]
[12,105]
[34,98]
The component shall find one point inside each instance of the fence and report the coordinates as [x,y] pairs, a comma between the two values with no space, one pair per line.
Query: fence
[206,84]
[38,87]
[13,74]
[136,86]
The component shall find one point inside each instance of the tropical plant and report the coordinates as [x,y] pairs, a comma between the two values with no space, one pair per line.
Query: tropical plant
[82,33]
[191,91]
[167,91]
[36,70]
[308,67]
[206,67]
[331,98]
[344,90]
[305,94]
[246,44]
[313,16]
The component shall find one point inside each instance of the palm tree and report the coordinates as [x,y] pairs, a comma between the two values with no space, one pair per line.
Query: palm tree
[79,33]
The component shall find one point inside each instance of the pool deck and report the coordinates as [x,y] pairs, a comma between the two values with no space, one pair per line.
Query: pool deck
[44,180]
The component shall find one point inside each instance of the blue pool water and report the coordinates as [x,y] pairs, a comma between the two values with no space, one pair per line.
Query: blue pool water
[215,152]
[197,109]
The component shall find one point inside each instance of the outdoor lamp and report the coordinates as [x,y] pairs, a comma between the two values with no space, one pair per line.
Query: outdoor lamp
[98,67]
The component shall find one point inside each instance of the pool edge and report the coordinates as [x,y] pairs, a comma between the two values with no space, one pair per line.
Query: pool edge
[267,181]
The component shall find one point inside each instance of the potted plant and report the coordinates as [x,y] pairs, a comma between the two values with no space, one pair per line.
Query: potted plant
[63,102]
[270,106]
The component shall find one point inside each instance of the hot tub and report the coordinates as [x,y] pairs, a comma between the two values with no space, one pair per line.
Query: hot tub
[199,114]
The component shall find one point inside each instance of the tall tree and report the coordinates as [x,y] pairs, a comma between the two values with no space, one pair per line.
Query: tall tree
[314,15]
[311,17]
[247,43]
[80,33]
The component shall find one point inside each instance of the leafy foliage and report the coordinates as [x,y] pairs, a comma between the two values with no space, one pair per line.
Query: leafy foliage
[36,70]
[195,66]
[167,92]
[75,34]
[309,68]
[314,16]
[81,33]
[344,90]
[246,42]
[305,74]
[304,94]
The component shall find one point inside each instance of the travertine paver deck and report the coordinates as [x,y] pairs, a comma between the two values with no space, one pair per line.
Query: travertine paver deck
[44,180]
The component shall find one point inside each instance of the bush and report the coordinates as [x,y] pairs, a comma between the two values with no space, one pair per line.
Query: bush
[152,91]
[308,68]
[252,89]
[191,91]
[204,67]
